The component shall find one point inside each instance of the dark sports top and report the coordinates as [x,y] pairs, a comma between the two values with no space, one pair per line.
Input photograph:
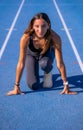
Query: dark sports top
[31,50]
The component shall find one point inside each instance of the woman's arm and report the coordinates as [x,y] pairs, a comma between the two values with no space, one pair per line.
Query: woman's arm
[20,65]
[61,65]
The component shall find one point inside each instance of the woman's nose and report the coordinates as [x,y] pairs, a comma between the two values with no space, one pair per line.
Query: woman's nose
[40,29]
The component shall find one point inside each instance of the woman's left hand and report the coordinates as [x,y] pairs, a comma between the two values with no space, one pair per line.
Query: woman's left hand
[67,91]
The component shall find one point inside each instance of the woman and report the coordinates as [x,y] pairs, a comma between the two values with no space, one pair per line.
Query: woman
[36,47]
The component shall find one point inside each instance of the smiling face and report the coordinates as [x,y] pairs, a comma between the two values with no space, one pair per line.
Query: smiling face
[40,27]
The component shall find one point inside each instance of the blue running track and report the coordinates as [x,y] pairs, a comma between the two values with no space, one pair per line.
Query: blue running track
[45,109]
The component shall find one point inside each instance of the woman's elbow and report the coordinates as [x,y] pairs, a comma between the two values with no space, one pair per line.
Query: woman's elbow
[60,66]
[21,65]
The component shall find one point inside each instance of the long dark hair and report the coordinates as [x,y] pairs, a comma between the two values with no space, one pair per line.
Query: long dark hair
[44,16]
[29,31]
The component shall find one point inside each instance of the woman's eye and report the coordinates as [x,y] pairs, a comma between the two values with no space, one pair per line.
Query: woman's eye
[36,26]
[42,26]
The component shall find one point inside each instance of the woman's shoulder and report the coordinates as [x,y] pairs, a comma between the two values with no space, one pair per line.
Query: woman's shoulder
[25,37]
[24,41]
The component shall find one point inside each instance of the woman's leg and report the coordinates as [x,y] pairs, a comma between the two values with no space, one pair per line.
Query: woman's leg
[46,65]
[46,61]
[32,72]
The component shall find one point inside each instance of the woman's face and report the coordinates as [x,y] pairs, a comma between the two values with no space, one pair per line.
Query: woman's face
[40,27]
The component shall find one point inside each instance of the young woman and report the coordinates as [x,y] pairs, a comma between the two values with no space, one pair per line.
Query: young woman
[36,47]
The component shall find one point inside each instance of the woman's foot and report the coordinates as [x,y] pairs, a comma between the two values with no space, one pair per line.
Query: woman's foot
[48,80]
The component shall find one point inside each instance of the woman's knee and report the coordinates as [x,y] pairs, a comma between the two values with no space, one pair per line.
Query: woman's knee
[46,64]
[33,86]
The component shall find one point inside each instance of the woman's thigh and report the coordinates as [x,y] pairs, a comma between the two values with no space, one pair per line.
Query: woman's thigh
[46,62]
[32,70]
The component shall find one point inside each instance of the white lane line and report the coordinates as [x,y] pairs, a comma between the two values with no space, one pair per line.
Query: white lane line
[14,29]
[11,29]
[69,36]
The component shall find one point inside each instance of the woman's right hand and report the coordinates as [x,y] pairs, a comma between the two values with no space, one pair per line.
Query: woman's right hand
[16,91]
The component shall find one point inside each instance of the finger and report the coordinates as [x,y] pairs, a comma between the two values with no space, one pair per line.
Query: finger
[21,93]
[73,93]
[10,93]
[62,92]
[68,92]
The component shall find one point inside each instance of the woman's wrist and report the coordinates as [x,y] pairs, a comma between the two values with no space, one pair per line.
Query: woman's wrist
[65,83]
[17,84]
